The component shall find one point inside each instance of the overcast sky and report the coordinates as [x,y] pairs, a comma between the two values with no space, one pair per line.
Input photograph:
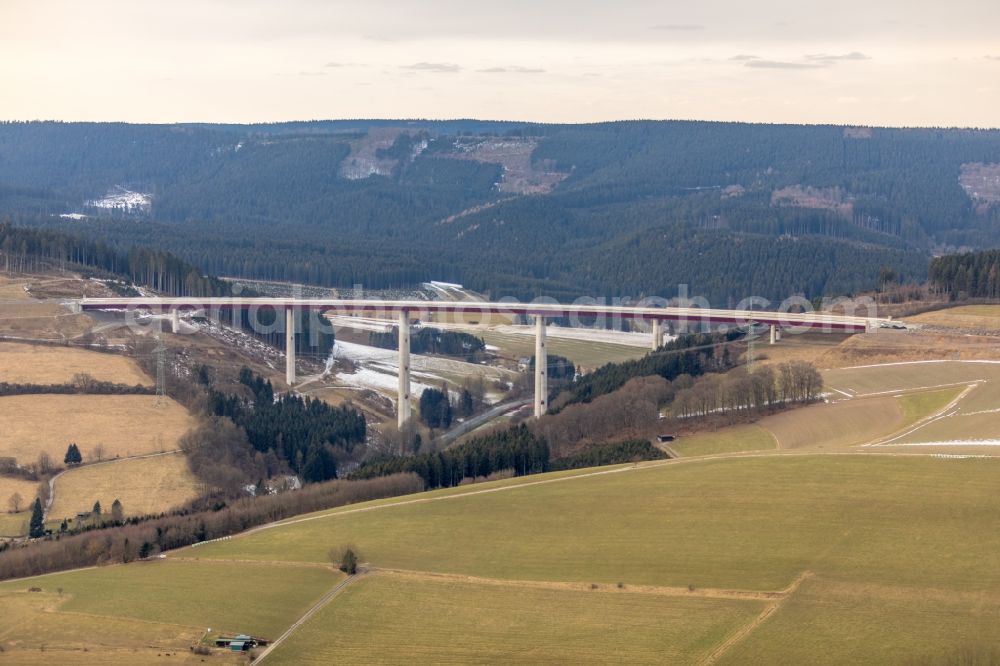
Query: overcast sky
[884,62]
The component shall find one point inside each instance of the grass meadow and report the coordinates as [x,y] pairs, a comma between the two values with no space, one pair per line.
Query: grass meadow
[170,605]
[49,364]
[126,425]
[751,523]
[143,485]
[460,622]
[750,437]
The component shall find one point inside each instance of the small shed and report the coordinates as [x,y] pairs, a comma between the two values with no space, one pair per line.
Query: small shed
[240,643]
[665,438]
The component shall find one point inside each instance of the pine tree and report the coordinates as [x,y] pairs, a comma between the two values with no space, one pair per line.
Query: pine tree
[73,456]
[117,514]
[36,528]
[319,463]
[97,508]
[467,402]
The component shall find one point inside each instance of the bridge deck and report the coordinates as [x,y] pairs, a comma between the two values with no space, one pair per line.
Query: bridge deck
[822,320]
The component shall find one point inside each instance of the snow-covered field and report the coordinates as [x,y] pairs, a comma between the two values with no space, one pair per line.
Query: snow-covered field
[953,442]
[361,323]
[376,369]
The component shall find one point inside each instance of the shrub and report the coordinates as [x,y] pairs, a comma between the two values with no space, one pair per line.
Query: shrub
[346,559]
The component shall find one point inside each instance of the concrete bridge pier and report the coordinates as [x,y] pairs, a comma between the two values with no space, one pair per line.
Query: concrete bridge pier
[541,368]
[657,335]
[290,346]
[774,334]
[175,321]
[403,406]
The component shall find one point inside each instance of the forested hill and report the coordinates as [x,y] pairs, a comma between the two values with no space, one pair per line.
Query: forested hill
[624,208]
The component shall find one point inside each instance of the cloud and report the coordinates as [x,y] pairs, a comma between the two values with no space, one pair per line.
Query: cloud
[335,64]
[826,57]
[511,70]
[678,27]
[781,64]
[434,67]
[992,57]
[808,61]
[305,73]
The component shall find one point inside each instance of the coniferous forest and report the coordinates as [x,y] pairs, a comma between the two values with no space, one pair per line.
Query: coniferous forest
[967,275]
[632,208]
[300,431]
[515,449]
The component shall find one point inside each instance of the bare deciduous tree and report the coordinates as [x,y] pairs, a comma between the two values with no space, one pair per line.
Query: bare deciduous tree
[44,463]
[15,501]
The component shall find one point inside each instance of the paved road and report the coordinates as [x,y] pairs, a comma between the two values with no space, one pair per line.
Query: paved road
[474,422]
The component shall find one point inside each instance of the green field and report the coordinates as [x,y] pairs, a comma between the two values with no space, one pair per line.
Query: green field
[838,425]
[725,440]
[829,622]
[917,406]
[814,552]
[585,353]
[883,379]
[859,524]
[179,599]
[458,622]
[501,571]
[759,523]
[974,387]
[962,316]
[14,524]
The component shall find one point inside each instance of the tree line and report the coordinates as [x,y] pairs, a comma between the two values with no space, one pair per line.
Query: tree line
[94,387]
[516,449]
[105,542]
[688,354]
[967,275]
[25,249]
[741,393]
[631,450]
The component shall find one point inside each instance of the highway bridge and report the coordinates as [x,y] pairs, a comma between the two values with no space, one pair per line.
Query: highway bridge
[405,312]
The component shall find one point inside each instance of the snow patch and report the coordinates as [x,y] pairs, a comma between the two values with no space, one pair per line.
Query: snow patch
[952,442]
[377,369]
[120,198]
